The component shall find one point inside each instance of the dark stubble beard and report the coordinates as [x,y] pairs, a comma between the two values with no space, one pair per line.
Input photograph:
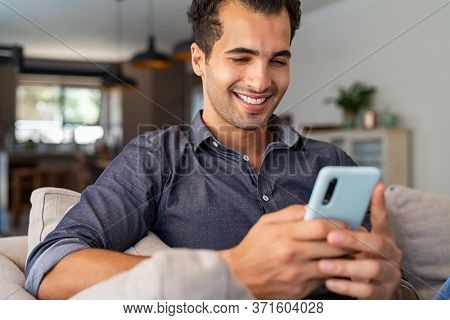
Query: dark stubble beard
[249,123]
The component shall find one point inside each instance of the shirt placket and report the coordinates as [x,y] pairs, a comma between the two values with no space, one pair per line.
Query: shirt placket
[259,185]
[264,185]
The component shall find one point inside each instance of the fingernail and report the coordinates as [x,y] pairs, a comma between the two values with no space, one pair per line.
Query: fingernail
[327,265]
[336,237]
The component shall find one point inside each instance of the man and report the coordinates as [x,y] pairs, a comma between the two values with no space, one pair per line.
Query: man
[236,181]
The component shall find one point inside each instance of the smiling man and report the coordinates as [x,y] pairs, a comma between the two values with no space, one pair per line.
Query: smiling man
[245,73]
[235,182]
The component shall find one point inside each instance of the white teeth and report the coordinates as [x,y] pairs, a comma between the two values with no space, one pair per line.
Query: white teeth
[251,100]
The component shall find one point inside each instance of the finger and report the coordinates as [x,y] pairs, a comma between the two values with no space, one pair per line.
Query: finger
[378,212]
[370,243]
[360,290]
[365,270]
[309,271]
[313,250]
[289,214]
[317,229]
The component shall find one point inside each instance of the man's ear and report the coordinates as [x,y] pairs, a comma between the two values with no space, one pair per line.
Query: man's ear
[198,59]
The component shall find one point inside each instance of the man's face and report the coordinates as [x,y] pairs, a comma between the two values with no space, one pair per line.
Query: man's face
[248,70]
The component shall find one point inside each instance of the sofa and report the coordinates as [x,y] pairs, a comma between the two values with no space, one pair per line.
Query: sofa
[420,222]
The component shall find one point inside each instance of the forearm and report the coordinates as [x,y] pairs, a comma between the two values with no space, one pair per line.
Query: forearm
[83,269]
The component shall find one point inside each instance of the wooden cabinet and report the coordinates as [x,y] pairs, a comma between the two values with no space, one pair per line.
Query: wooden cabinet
[387,149]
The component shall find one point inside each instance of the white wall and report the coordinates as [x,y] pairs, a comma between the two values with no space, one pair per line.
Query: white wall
[412,72]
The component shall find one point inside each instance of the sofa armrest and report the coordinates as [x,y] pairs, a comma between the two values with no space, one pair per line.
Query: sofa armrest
[15,249]
[11,281]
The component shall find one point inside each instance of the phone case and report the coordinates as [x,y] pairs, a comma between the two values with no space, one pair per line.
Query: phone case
[351,197]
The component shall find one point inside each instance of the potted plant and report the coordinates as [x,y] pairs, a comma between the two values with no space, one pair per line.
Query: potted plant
[352,100]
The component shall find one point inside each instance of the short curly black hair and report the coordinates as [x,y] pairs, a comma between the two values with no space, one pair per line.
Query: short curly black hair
[204,17]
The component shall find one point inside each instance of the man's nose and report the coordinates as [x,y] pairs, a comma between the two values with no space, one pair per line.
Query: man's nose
[258,77]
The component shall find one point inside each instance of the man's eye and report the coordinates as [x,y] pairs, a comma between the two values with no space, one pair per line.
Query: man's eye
[280,62]
[240,60]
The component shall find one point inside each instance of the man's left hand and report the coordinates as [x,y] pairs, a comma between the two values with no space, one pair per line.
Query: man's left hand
[374,273]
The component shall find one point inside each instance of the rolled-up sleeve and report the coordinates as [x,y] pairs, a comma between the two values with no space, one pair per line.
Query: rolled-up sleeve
[47,259]
[114,213]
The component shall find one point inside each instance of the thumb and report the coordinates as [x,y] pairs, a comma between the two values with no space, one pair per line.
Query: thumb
[292,213]
[378,211]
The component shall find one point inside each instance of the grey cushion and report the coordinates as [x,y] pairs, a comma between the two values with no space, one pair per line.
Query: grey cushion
[421,222]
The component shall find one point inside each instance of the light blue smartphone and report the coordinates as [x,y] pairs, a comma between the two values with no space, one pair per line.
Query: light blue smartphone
[342,193]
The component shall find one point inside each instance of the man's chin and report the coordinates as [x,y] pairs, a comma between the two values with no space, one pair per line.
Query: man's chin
[250,128]
[250,124]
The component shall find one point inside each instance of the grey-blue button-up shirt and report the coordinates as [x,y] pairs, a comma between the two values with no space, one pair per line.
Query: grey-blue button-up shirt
[190,190]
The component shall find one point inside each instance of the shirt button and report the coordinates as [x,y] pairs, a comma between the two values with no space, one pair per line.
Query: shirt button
[215,144]
[265,198]
[246,158]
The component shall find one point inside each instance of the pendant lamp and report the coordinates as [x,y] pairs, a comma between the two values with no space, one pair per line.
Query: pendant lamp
[151,58]
[115,78]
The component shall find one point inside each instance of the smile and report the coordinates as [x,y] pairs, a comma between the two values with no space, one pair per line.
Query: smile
[250,100]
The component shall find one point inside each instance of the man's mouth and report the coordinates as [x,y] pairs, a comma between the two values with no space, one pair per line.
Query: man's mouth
[252,100]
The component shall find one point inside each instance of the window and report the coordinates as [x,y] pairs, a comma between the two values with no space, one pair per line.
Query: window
[58,112]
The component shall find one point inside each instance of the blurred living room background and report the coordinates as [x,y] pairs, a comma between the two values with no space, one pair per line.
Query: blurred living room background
[80,79]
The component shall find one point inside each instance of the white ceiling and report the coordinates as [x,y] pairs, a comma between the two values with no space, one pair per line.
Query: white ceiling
[74,30]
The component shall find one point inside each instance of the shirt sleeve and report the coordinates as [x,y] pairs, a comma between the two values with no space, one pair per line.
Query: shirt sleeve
[114,213]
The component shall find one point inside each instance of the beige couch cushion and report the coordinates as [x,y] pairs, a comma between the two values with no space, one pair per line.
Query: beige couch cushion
[421,222]
[15,248]
[11,281]
[48,206]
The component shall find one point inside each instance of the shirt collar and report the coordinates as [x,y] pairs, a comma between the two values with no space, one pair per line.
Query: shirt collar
[287,135]
[199,132]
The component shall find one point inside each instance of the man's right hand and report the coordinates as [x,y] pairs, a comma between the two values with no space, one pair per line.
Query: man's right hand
[278,259]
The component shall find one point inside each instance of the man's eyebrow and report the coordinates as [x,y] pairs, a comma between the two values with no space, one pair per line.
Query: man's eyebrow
[241,50]
[283,53]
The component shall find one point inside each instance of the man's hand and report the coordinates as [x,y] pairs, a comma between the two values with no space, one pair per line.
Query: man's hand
[375,271]
[278,259]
